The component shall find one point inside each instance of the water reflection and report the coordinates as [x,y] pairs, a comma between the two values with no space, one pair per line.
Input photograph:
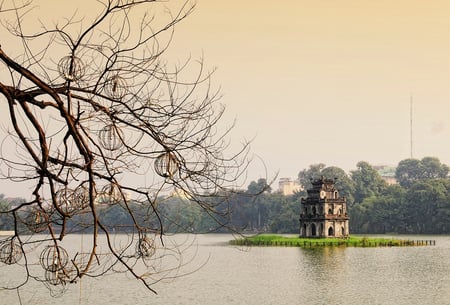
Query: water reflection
[329,258]
[283,276]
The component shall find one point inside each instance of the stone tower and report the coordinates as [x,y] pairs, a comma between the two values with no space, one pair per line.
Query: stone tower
[323,213]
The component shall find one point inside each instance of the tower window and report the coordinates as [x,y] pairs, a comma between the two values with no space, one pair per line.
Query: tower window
[313,230]
[330,231]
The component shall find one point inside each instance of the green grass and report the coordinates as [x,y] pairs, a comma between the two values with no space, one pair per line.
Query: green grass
[352,241]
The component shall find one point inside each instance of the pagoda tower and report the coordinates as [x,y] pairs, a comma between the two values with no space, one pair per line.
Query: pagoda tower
[323,213]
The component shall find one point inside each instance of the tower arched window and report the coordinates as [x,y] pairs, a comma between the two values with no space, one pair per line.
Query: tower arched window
[330,231]
[313,230]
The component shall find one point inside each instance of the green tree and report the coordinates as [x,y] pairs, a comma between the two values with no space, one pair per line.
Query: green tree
[6,219]
[285,214]
[442,219]
[258,187]
[410,170]
[423,199]
[344,183]
[380,214]
[313,172]
[367,182]
[432,168]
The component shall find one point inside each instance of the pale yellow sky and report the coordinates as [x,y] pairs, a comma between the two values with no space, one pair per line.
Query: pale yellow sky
[330,81]
[323,80]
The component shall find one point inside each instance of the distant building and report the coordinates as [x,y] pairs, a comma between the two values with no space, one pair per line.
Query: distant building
[387,173]
[323,213]
[287,186]
[179,193]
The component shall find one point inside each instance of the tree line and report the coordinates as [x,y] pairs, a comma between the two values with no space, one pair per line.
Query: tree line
[419,203]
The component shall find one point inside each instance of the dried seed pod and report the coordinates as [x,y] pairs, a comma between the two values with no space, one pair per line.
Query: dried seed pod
[110,194]
[64,200]
[81,197]
[10,252]
[145,247]
[115,87]
[36,220]
[54,258]
[110,137]
[71,68]
[166,165]
[72,201]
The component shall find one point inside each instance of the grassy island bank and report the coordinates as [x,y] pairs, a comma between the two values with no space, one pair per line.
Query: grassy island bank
[352,241]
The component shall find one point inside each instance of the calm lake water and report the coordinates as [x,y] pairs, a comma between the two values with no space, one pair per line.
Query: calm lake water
[269,275]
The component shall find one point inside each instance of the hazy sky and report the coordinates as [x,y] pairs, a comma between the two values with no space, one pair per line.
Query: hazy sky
[330,81]
[317,81]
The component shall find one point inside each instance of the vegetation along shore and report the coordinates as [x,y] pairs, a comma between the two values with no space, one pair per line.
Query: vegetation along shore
[352,241]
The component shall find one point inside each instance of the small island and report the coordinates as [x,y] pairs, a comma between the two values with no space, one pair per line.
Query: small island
[351,241]
[324,222]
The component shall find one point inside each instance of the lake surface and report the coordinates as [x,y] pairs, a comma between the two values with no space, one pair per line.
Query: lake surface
[275,275]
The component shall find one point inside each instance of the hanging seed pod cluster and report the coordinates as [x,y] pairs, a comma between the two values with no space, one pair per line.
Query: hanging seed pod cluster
[36,220]
[10,252]
[115,87]
[166,165]
[71,68]
[72,201]
[102,129]
[111,137]
[110,194]
[54,259]
[145,247]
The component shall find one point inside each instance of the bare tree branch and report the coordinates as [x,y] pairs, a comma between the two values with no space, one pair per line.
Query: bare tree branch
[99,121]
